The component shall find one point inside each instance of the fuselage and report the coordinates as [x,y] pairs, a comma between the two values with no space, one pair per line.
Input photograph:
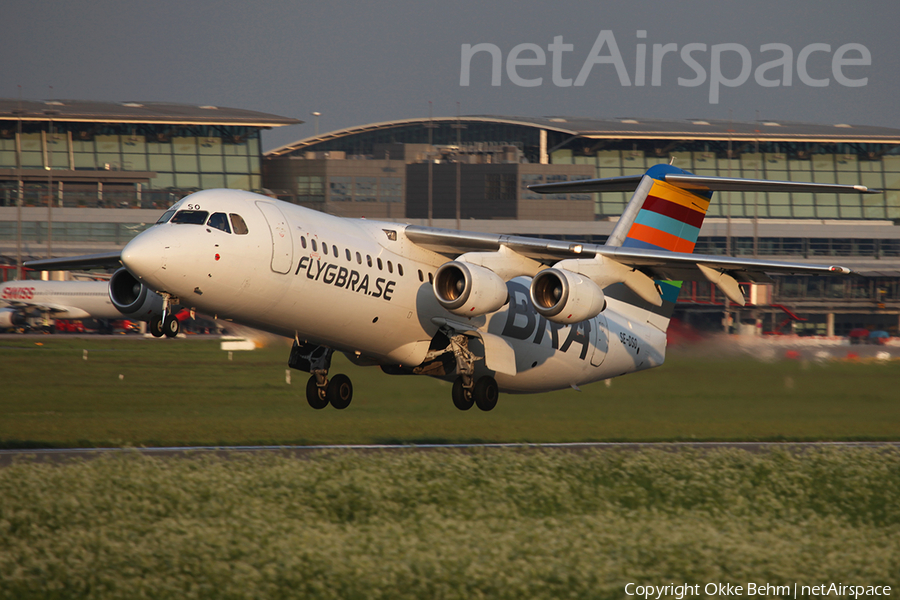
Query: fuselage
[363,288]
[62,299]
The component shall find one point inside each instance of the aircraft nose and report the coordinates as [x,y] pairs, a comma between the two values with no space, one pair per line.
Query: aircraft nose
[144,255]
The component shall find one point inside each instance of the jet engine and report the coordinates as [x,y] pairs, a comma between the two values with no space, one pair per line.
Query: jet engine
[469,290]
[566,297]
[132,298]
[10,317]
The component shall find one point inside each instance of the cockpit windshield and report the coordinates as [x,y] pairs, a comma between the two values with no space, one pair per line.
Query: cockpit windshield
[190,217]
[165,217]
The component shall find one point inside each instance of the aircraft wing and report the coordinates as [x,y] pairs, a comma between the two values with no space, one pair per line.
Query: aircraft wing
[658,264]
[87,261]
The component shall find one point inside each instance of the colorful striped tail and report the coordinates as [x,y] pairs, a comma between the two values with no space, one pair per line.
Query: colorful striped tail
[665,217]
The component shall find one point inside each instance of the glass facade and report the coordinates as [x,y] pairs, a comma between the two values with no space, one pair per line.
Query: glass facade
[167,162]
[876,165]
[835,164]
[67,231]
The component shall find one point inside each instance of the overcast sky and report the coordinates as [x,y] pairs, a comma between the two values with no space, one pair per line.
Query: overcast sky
[358,63]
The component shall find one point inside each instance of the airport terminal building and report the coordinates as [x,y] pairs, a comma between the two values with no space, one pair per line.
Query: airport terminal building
[81,177]
[491,160]
[84,177]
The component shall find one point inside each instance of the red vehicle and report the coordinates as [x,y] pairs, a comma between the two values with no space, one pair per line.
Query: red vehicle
[69,326]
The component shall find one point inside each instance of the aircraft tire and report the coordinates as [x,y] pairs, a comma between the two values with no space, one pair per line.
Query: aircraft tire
[486,393]
[339,391]
[316,400]
[156,327]
[171,326]
[462,399]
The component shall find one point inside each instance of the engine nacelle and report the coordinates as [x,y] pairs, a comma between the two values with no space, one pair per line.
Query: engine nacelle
[10,317]
[469,290]
[132,298]
[566,297]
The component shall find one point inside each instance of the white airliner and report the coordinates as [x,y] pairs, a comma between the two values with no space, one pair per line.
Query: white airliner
[488,312]
[78,300]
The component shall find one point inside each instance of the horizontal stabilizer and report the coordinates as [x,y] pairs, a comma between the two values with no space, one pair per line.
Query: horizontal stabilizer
[689,181]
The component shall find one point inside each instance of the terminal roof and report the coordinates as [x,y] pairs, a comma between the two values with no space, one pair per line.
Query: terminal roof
[639,128]
[136,112]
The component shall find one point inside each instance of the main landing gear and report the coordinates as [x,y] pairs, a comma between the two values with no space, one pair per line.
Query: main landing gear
[320,391]
[467,391]
[483,394]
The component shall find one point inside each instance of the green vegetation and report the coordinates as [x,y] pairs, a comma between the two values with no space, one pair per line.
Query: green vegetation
[446,524]
[174,392]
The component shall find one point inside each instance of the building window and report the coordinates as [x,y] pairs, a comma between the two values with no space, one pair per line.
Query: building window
[366,189]
[341,189]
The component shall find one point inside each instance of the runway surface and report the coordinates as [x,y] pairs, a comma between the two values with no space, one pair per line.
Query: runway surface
[7,457]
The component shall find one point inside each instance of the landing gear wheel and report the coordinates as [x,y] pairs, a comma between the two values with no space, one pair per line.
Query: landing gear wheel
[486,393]
[171,326]
[339,391]
[462,398]
[315,398]
[156,327]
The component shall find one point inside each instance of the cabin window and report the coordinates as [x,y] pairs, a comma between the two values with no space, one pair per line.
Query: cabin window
[400,269]
[314,245]
[347,254]
[219,221]
[358,258]
[430,278]
[369,260]
[380,265]
[303,241]
[390,267]
[325,249]
[336,253]
[165,217]
[421,277]
[190,217]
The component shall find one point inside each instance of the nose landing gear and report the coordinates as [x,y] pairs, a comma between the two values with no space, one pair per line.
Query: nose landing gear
[165,324]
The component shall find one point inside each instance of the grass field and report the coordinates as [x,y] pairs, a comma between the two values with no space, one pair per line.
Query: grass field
[146,392]
[408,524]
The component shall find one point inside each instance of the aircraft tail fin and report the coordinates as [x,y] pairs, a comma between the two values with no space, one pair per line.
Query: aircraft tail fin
[662,216]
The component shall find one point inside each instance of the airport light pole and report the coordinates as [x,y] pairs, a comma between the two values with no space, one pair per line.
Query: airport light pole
[19,189]
[316,114]
[50,194]
[459,127]
[430,127]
